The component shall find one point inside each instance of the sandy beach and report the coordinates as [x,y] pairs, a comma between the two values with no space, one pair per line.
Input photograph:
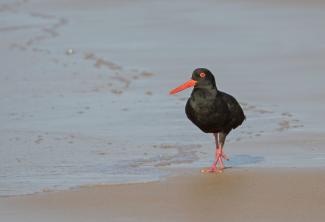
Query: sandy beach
[237,195]
[88,131]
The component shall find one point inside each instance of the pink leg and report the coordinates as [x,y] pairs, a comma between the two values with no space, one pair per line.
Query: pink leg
[219,156]
[213,168]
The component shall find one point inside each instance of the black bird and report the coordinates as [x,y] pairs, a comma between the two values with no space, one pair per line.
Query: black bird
[212,110]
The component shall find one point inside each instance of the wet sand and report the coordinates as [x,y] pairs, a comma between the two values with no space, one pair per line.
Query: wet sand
[236,195]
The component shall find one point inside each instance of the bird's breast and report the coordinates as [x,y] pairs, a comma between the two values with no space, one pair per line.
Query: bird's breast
[207,110]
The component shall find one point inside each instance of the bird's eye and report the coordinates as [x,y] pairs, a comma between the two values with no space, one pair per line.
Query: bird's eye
[202,74]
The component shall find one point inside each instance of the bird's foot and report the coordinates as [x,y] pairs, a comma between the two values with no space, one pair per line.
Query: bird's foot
[212,169]
[219,156]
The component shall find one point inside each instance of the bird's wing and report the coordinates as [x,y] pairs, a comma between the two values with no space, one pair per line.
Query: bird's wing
[237,115]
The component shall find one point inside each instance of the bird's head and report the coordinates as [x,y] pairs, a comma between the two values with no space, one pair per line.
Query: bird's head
[201,78]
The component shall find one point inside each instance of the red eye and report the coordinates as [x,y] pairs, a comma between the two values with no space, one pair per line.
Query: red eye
[202,74]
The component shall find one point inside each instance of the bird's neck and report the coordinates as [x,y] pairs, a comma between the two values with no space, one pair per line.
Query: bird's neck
[205,91]
[207,87]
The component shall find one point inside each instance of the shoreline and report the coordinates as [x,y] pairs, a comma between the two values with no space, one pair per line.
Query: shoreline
[170,174]
[261,154]
[239,194]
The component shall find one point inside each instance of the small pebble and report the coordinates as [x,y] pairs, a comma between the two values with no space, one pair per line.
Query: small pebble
[70,52]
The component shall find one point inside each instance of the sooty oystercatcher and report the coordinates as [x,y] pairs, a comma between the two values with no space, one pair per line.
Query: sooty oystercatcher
[211,110]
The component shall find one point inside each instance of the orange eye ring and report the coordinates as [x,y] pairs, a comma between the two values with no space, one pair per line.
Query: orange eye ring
[202,74]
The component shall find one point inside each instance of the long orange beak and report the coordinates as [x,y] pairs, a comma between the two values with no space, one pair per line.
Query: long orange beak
[184,86]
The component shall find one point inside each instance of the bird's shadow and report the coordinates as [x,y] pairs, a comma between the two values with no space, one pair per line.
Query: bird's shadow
[245,159]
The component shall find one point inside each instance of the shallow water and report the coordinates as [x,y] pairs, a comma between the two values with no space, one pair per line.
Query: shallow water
[84,88]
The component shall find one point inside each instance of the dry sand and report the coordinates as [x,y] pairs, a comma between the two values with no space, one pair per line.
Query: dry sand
[236,195]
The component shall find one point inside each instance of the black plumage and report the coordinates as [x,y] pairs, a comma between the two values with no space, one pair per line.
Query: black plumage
[210,109]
